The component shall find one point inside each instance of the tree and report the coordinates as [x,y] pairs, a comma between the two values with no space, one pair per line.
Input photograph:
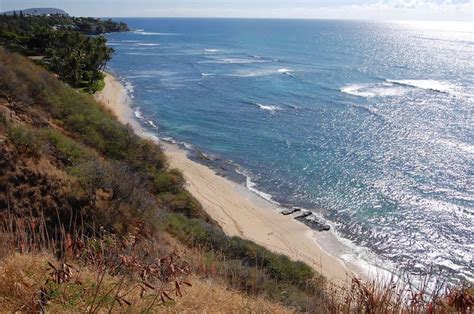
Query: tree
[14,14]
[21,14]
[76,58]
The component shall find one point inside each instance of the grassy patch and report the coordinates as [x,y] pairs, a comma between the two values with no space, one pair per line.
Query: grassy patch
[27,140]
[246,265]
[67,150]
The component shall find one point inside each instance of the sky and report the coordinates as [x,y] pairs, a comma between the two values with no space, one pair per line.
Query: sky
[387,10]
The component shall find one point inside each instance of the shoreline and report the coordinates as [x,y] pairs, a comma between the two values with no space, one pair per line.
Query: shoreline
[239,211]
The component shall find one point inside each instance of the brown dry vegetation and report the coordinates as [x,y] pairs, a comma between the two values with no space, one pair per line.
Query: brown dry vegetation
[93,220]
[23,276]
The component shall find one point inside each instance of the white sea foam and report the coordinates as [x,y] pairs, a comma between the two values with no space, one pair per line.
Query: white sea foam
[270,108]
[233,61]
[187,145]
[374,90]
[391,88]
[147,44]
[256,73]
[207,74]
[138,114]
[285,71]
[141,32]
[252,187]
[180,143]
[129,87]
[140,53]
[152,124]
[239,61]
[261,72]
[437,86]
[169,140]
[212,50]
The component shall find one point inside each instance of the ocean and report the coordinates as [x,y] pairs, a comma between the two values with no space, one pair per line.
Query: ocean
[368,125]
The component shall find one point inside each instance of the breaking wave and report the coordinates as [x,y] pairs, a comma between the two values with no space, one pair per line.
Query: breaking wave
[270,108]
[147,44]
[211,50]
[391,88]
[142,32]
[373,90]
[233,61]
[436,86]
[263,72]
[285,71]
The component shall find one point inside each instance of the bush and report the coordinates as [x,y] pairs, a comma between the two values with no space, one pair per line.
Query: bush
[186,204]
[68,150]
[120,203]
[26,140]
[168,181]
[95,86]
[80,114]
[246,266]
[279,267]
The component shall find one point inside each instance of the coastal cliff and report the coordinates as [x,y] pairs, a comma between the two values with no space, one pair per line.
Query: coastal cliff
[72,175]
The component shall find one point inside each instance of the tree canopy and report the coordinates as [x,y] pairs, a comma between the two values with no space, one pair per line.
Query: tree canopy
[71,47]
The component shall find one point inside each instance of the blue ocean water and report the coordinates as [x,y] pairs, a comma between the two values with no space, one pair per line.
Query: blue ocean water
[369,125]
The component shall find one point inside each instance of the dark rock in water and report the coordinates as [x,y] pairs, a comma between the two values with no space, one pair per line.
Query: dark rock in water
[316,225]
[313,224]
[290,211]
[201,155]
[303,216]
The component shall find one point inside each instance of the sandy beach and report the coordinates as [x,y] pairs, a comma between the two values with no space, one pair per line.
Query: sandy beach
[238,211]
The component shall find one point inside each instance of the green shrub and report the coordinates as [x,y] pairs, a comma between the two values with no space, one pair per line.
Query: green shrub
[279,267]
[80,114]
[184,203]
[96,85]
[246,266]
[168,181]
[67,149]
[26,140]
[147,156]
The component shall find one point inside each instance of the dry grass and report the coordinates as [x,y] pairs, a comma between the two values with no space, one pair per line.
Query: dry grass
[396,295]
[211,296]
[23,278]
[107,274]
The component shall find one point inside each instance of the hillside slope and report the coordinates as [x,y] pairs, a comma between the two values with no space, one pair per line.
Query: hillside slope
[71,175]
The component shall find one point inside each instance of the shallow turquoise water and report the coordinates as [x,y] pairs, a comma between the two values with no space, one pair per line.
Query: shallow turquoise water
[369,125]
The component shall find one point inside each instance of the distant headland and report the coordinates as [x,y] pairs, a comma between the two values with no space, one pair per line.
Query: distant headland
[37,11]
